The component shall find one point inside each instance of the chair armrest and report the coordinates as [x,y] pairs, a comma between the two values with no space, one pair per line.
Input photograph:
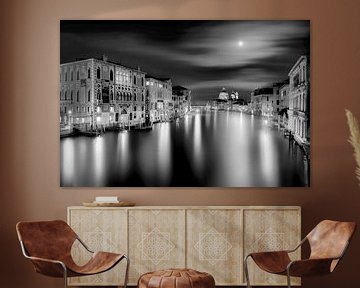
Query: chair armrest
[309,267]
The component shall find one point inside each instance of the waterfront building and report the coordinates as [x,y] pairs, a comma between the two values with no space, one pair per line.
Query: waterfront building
[160,100]
[266,100]
[262,100]
[283,115]
[182,100]
[97,93]
[299,100]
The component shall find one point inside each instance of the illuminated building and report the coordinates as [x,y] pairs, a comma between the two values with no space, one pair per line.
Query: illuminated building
[299,101]
[97,93]
[159,95]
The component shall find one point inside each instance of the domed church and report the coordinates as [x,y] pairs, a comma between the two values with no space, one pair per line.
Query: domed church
[223,94]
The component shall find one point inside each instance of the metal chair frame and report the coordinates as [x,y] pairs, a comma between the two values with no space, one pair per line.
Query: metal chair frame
[26,255]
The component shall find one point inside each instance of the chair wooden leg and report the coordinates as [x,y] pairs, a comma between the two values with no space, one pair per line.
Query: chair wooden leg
[246,271]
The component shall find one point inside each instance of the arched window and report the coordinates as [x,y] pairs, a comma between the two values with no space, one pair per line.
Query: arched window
[142,81]
[117,95]
[134,97]
[111,96]
[65,95]
[78,75]
[71,95]
[98,73]
[77,96]
[89,96]
[134,80]
[65,76]
[89,73]
[72,76]
[111,75]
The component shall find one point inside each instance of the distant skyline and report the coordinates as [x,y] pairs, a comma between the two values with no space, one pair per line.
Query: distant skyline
[204,56]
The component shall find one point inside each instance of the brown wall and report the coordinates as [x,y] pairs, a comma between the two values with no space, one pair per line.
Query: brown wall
[29,113]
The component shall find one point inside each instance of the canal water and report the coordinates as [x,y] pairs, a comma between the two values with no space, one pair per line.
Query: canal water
[216,149]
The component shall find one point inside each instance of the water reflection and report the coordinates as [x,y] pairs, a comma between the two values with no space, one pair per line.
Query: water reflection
[228,149]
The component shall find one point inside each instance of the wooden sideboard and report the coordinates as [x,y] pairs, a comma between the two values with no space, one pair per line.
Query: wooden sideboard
[212,239]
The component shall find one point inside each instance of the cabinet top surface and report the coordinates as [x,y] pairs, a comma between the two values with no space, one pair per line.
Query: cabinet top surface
[192,207]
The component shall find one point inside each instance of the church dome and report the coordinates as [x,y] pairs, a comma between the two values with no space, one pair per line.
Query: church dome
[223,94]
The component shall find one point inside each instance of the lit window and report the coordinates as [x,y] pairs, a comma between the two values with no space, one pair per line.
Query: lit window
[98,109]
[147,83]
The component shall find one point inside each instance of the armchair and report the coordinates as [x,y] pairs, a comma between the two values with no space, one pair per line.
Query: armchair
[48,245]
[328,242]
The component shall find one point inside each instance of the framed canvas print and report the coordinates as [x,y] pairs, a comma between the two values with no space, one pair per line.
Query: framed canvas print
[184,103]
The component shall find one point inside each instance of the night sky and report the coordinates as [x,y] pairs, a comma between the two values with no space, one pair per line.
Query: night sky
[203,56]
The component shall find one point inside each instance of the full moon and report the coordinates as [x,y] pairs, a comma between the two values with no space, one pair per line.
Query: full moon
[241,43]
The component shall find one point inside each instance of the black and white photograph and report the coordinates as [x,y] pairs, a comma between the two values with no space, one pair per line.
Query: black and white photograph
[185,103]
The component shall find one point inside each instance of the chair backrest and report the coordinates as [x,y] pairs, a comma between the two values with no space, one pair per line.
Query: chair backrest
[46,239]
[329,239]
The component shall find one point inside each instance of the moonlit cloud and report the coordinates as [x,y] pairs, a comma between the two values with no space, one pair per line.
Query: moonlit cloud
[201,55]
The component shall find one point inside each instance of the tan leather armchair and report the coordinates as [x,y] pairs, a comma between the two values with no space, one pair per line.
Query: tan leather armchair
[48,245]
[328,242]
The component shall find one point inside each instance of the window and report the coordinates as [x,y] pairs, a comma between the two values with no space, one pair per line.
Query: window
[89,96]
[77,108]
[65,95]
[111,75]
[134,108]
[65,76]
[98,73]
[77,96]
[71,95]
[142,81]
[72,76]
[78,75]
[88,109]
[147,83]
[134,80]
[111,95]
[65,109]
[89,73]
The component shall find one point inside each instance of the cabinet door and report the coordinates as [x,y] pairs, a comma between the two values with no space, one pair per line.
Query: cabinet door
[214,244]
[270,230]
[156,240]
[101,230]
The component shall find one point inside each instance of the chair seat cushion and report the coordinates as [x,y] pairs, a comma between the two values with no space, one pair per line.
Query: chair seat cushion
[176,278]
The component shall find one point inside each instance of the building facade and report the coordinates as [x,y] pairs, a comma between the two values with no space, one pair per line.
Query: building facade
[299,101]
[159,97]
[283,114]
[182,100]
[262,100]
[97,93]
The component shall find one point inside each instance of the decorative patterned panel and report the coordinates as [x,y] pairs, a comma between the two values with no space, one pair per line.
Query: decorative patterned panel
[156,241]
[270,230]
[214,242]
[101,230]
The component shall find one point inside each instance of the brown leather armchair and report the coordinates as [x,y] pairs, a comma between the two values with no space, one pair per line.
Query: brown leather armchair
[328,242]
[48,245]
